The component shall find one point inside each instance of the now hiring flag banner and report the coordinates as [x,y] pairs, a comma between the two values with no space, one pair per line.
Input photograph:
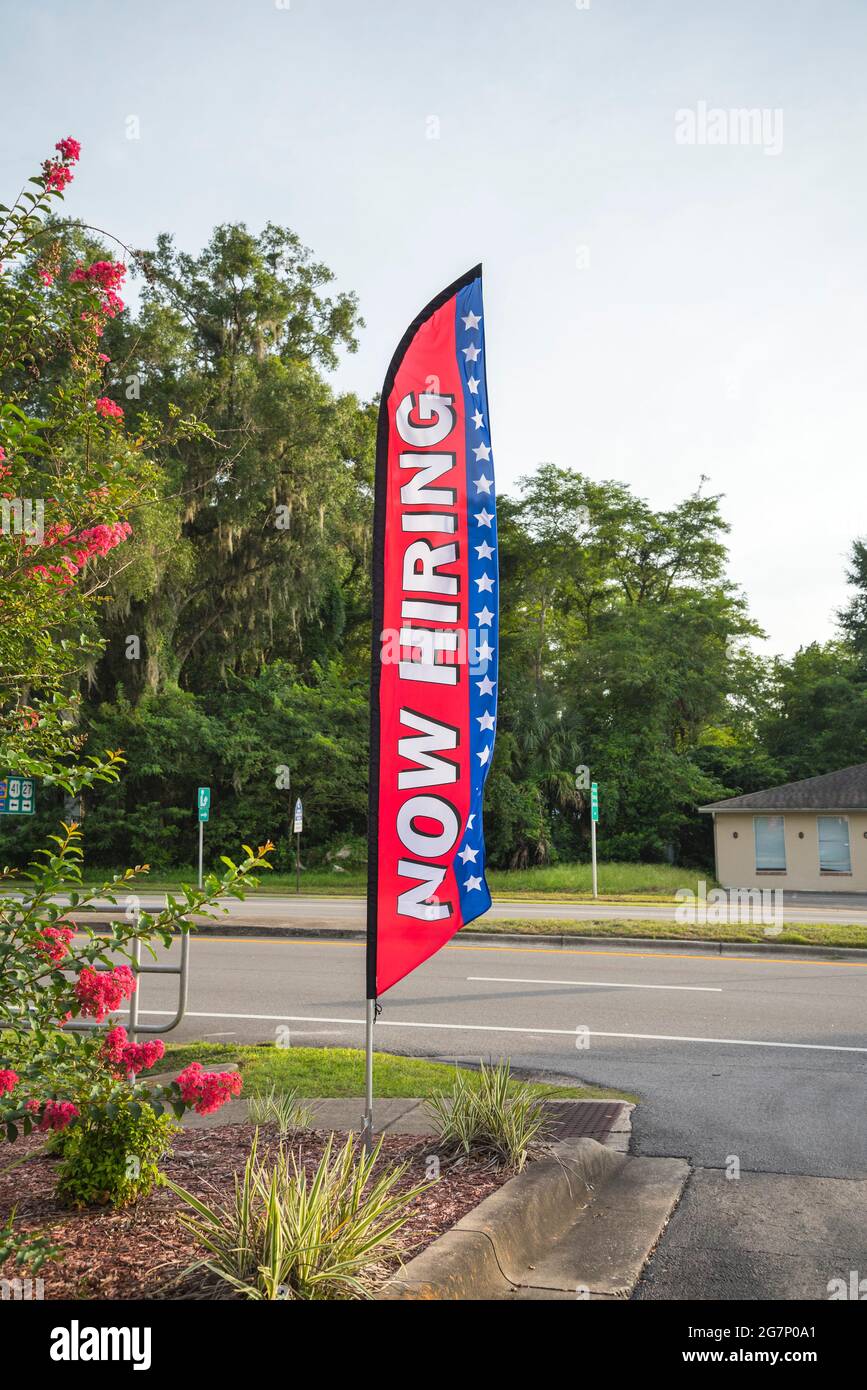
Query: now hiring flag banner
[434,660]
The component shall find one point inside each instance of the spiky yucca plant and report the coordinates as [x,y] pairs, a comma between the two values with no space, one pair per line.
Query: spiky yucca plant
[280,1108]
[290,1236]
[491,1117]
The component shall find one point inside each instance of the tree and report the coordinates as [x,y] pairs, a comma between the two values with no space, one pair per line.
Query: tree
[620,636]
[263,537]
[73,476]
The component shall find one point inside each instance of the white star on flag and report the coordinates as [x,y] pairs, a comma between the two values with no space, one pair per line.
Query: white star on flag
[471,321]
[486,687]
[470,820]
[473,882]
[485,617]
[484,551]
[485,583]
[483,484]
[472,353]
[483,452]
[485,652]
[484,755]
[467,853]
[484,517]
[479,420]
[473,385]
[486,722]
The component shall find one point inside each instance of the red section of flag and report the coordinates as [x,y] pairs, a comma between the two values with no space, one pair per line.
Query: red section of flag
[420,784]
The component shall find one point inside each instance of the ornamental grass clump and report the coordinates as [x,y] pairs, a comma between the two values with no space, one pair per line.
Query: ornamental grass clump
[287,1235]
[490,1117]
[280,1108]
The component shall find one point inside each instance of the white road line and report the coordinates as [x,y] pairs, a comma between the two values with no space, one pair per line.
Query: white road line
[600,984]
[503,1028]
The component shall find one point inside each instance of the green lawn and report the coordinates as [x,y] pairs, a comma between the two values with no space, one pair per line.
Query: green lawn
[625,882]
[797,933]
[339,1071]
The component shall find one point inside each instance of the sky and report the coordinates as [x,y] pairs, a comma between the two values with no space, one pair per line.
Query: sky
[669,293]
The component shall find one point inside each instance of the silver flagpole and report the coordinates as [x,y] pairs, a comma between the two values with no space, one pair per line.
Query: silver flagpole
[368,1076]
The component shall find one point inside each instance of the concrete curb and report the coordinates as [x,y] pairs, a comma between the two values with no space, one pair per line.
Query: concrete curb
[581,1223]
[560,939]
[668,943]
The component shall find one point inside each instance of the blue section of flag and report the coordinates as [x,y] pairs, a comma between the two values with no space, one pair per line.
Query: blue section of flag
[483,596]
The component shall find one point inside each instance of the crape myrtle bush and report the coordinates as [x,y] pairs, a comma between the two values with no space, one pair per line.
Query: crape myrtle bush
[71,477]
[83,1085]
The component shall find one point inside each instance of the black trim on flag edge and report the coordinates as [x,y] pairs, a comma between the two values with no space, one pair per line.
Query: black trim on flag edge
[380,484]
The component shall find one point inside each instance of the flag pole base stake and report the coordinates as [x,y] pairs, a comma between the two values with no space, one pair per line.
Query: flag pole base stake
[367,1129]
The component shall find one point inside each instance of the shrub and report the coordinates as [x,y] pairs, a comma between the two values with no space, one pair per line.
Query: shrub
[490,1117]
[280,1108]
[287,1236]
[113,1157]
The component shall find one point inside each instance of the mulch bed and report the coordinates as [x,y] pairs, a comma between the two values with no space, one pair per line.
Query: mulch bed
[143,1251]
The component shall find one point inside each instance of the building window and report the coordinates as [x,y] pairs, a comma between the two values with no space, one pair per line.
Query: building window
[834,857]
[770,844]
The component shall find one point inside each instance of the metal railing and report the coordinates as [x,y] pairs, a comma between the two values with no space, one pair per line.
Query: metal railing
[133,1027]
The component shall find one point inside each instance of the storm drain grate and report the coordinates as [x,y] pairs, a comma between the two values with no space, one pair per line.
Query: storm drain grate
[584,1119]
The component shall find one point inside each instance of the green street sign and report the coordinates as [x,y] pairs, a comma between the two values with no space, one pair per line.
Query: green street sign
[594,801]
[17,796]
[203,801]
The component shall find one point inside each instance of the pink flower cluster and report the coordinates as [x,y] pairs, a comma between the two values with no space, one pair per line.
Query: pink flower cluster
[99,992]
[108,409]
[70,149]
[96,540]
[126,1056]
[8,1081]
[54,942]
[56,1115]
[5,468]
[206,1091]
[99,540]
[56,175]
[107,277]
[56,172]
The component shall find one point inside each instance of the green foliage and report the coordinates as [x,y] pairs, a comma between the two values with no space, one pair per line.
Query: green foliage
[112,1158]
[27,1249]
[233,636]
[71,474]
[262,539]
[235,741]
[337,1071]
[490,1117]
[290,1236]
[281,1108]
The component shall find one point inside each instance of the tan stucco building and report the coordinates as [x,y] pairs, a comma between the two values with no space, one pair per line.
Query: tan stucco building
[808,836]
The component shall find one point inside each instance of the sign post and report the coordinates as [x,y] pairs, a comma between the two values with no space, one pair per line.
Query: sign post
[203,801]
[594,816]
[297,827]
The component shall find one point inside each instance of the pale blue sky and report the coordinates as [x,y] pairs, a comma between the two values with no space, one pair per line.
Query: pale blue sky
[654,310]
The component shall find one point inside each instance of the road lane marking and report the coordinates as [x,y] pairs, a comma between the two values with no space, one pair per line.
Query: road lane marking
[597,984]
[505,1028]
[550,951]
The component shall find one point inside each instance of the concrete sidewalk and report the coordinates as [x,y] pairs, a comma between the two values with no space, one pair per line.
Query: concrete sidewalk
[403,1115]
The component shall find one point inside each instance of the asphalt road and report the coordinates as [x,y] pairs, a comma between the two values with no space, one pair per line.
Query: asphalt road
[746,1066]
[350,911]
[763,1059]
